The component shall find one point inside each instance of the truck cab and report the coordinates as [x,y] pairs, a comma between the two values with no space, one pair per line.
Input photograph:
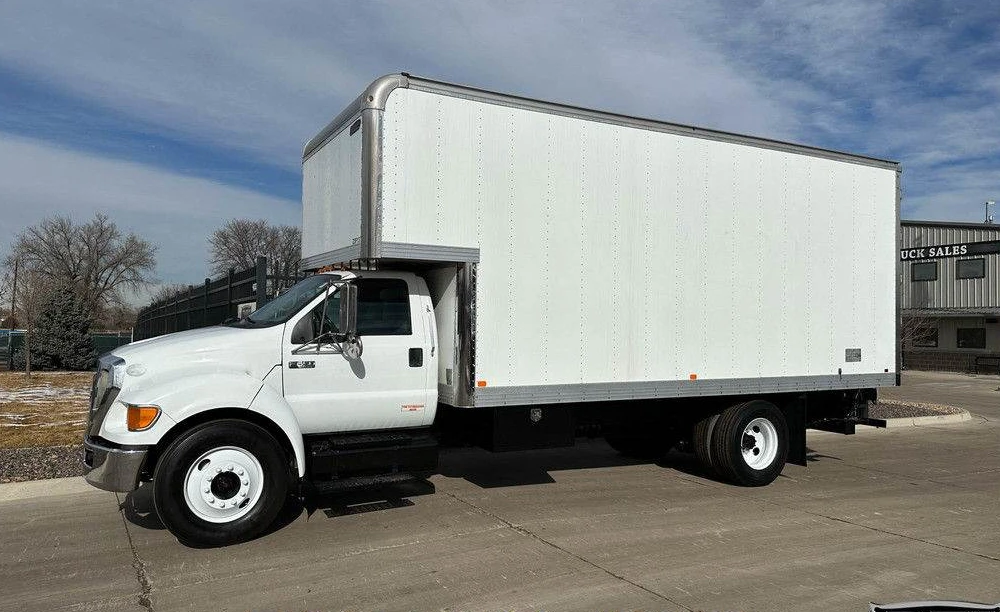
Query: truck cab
[312,382]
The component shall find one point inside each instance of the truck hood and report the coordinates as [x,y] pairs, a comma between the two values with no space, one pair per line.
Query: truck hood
[218,348]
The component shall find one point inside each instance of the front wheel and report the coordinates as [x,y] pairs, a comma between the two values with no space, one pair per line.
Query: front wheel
[220,483]
[749,443]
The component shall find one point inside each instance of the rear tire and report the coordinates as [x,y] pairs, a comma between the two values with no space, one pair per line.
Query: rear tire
[220,483]
[702,441]
[750,443]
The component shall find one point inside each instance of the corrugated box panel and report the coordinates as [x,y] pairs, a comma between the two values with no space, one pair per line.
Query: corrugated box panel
[616,254]
[331,195]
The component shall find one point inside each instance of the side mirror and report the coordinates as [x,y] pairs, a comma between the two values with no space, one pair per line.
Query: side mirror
[348,322]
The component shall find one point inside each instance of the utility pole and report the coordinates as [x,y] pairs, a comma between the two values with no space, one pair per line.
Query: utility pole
[27,338]
[13,295]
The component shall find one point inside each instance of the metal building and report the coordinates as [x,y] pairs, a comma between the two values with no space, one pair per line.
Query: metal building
[950,296]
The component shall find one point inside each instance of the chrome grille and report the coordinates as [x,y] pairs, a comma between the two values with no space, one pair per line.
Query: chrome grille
[102,395]
[93,398]
[102,382]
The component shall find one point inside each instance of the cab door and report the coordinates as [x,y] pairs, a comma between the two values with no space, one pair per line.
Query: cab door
[386,387]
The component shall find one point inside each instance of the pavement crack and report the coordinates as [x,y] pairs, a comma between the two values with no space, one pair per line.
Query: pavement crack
[903,535]
[145,588]
[849,522]
[535,536]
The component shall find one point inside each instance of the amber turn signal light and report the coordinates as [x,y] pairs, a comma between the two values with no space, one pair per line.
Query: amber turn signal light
[141,418]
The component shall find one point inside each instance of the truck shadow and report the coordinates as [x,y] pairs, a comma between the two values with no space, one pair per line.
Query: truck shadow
[475,465]
[491,470]
[687,463]
[369,499]
[139,510]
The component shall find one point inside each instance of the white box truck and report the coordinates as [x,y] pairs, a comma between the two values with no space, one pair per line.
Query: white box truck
[512,273]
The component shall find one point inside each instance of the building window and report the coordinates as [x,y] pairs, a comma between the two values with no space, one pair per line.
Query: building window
[924,271]
[972,337]
[970,268]
[925,337]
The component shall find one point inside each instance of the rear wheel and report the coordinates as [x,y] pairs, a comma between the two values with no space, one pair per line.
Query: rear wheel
[749,443]
[220,483]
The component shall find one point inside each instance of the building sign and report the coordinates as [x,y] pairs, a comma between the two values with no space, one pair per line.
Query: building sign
[950,250]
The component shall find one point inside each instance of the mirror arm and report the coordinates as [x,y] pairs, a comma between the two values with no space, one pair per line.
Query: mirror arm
[318,341]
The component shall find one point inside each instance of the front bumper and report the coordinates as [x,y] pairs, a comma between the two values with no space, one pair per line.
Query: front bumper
[112,468]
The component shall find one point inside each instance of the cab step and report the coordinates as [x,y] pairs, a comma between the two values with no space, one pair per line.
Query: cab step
[339,457]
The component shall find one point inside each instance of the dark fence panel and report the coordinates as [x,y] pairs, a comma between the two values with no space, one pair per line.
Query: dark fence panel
[105,342]
[7,336]
[12,340]
[212,302]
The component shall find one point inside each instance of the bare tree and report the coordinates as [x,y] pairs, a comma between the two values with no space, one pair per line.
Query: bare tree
[119,317]
[917,327]
[32,290]
[238,243]
[94,258]
[166,292]
[8,284]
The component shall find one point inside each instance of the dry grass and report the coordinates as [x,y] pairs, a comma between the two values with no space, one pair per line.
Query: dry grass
[47,409]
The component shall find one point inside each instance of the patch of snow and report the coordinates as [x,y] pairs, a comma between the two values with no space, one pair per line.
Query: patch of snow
[37,395]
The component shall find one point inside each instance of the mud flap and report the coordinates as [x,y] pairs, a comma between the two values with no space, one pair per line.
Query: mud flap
[795,418]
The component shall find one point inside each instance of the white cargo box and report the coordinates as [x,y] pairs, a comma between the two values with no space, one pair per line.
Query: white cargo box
[609,257]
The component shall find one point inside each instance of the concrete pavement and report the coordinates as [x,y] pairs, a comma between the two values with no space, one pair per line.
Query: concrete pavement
[886,516]
[977,393]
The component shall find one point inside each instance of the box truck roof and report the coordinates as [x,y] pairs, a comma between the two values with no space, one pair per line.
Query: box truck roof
[376,94]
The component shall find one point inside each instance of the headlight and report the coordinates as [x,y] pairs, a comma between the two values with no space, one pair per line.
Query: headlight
[118,374]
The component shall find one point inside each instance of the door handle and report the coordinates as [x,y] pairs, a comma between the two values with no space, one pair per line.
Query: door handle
[416,357]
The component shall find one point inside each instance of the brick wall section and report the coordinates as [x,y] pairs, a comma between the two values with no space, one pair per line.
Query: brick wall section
[945,361]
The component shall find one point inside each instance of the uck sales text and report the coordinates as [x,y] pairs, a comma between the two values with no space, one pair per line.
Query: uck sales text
[952,250]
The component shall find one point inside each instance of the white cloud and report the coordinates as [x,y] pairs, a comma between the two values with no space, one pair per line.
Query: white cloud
[906,81]
[174,212]
[882,78]
[263,77]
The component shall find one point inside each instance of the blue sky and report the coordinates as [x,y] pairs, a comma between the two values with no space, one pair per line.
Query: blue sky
[173,117]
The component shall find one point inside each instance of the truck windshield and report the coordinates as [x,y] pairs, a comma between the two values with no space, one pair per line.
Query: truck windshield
[281,308]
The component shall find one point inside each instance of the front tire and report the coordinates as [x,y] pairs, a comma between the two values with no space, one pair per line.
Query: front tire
[220,483]
[749,443]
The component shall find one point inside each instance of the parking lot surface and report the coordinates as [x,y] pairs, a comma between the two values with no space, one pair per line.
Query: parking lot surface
[887,515]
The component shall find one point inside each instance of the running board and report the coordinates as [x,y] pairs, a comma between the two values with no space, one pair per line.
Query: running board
[340,457]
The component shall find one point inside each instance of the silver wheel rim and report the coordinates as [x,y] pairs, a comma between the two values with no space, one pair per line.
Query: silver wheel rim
[759,444]
[223,484]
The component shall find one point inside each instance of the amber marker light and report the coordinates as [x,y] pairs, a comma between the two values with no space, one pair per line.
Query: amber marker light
[141,418]
[481,383]
[693,376]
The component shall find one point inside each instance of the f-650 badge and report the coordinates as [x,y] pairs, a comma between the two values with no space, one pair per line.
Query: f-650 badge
[301,365]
